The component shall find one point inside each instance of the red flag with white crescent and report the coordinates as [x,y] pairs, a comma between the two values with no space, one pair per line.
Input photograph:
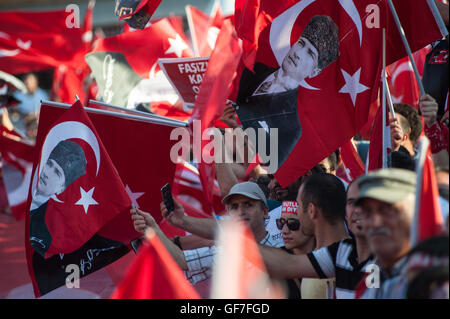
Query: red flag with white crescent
[31,41]
[127,73]
[317,71]
[17,163]
[70,202]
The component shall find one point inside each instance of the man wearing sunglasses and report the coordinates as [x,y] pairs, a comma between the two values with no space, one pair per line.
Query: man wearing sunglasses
[321,210]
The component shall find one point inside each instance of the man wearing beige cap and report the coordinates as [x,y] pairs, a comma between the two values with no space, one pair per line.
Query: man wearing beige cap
[245,201]
[387,199]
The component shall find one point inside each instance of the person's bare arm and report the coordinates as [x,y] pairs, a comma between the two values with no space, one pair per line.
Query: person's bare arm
[193,242]
[142,220]
[225,177]
[281,264]
[203,227]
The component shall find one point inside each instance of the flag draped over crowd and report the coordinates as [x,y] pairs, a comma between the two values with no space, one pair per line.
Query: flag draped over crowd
[307,72]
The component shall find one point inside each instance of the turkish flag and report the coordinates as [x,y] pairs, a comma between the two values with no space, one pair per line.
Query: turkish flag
[211,99]
[428,215]
[402,80]
[353,165]
[251,18]
[319,110]
[204,29]
[31,41]
[73,179]
[126,70]
[70,203]
[154,275]
[17,162]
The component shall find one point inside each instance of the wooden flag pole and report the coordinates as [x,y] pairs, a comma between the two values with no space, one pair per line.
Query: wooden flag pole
[407,47]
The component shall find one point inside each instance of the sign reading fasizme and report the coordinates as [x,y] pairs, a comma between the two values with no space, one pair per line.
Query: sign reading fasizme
[185,75]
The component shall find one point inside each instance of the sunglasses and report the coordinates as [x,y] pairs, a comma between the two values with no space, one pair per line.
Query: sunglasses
[291,223]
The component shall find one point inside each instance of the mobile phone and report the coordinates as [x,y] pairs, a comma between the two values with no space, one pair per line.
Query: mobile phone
[167,198]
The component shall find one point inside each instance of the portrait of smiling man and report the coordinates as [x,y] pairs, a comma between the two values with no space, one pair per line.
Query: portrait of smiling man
[267,97]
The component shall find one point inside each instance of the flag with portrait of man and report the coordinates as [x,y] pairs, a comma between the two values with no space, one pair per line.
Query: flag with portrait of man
[75,193]
[317,70]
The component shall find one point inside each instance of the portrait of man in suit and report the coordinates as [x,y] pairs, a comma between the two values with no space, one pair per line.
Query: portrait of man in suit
[267,97]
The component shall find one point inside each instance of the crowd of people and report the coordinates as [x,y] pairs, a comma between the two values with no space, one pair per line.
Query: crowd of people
[329,235]
[320,237]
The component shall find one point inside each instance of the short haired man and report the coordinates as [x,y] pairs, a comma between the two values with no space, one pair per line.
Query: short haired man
[267,97]
[387,199]
[406,129]
[245,201]
[65,164]
[322,202]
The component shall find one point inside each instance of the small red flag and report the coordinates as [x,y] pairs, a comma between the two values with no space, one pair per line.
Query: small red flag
[154,275]
[214,91]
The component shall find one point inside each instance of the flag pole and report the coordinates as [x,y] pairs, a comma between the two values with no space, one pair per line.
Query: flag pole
[389,98]
[437,16]
[383,104]
[122,115]
[407,47]
[136,112]
[424,143]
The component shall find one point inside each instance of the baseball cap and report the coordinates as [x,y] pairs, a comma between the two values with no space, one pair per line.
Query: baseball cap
[248,189]
[389,185]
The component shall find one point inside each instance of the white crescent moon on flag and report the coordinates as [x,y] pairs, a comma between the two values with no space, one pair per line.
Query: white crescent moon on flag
[350,8]
[281,29]
[68,130]
[404,67]
[61,132]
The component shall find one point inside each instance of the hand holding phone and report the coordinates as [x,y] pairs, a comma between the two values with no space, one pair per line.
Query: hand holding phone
[167,198]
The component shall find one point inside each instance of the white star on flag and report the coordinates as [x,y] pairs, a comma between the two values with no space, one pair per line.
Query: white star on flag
[177,46]
[352,85]
[86,199]
[134,196]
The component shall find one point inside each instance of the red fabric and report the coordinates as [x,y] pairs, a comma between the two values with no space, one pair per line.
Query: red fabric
[430,215]
[38,40]
[151,43]
[351,160]
[438,135]
[210,102]
[250,19]
[202,26]
[187,188]
[69,234]
[70,80]
[124,140]
[402,80]
[330,118]
[19,153]
[154,275]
